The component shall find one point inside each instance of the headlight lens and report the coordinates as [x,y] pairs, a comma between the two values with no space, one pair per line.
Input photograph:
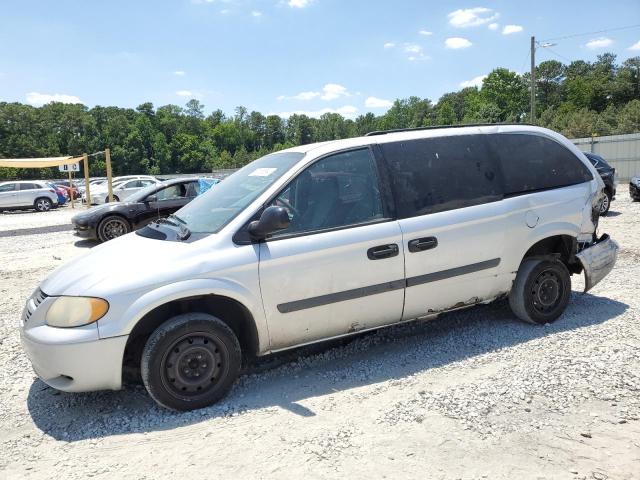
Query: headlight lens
[66,312]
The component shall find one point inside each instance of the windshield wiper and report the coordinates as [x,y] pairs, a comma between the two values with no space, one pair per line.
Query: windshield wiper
[165,220]
[175,217]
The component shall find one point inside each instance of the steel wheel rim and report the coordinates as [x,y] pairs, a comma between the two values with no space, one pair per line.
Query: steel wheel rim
[193,365]
[547,291]
[114,228]
[43,205]
[605,204]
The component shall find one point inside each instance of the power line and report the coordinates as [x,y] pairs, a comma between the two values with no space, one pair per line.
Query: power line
[562,57]
[591,33]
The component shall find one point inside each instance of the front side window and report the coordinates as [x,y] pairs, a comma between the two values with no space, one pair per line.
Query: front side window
[533,162]
[437,174]
[172,192]
[337,191]
[8,187]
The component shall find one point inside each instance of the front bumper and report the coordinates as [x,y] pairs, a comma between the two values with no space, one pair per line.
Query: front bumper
[634,191]
[84,231]
[70,359]
[598,260]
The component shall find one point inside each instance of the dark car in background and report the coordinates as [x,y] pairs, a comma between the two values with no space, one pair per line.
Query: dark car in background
[110,220]
[607,173]
[634,188]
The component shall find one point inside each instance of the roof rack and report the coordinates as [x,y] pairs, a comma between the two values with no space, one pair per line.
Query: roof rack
[435,127]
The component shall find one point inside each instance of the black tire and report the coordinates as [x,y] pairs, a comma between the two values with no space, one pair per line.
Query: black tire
[606,204]
[190,361]
[42,204]
[541,290]
[112,226]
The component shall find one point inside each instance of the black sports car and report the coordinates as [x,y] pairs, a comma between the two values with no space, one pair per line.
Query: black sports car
[111,220]
[607,173]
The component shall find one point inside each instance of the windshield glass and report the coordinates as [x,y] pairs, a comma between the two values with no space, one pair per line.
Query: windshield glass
[212,210]
[141,194]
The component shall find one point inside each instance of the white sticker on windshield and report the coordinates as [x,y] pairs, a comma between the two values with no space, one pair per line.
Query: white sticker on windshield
[262,172]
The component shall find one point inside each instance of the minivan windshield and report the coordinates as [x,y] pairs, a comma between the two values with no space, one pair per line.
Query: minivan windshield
[211,211]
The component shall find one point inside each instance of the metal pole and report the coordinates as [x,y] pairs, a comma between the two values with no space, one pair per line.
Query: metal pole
[86,179]
[533,80]
[107,154]
[71,189]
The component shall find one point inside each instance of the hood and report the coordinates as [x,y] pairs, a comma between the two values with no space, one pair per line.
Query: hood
[102,209]
[126,264]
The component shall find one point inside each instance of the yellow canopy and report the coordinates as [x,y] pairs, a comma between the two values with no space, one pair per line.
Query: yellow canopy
[38,162]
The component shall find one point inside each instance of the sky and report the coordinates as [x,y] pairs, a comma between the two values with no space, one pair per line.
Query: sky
[286,56]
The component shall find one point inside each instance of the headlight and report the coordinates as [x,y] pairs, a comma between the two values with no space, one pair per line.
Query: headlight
[68,312]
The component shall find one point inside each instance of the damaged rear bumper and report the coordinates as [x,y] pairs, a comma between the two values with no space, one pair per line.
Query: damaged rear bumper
[598,260]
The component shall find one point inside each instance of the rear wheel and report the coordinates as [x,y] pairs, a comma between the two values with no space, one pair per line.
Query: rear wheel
[42,204]
[190,361]
[541,290]
[111,227]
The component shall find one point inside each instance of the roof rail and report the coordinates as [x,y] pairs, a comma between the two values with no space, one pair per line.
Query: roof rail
[435,127]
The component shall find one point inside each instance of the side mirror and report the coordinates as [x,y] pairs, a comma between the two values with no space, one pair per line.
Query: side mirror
[151,198]
[272,219]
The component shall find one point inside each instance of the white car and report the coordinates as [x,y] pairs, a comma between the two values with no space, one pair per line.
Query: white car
[30,194]
[321,241]
[122,188]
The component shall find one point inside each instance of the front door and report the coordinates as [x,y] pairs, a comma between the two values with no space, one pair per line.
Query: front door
[339,267]
[9,195]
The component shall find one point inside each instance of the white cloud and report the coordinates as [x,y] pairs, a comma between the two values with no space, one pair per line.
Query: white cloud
[412,48]
[474,82]
[509,29]
[456,43]
[184,93]
[472,17]
[331,91]
[635,46]
[389,45]
[37,99]
[375,102]
[348,111]
[299,3]
[493,26]
[256,13]
[601,42]
[305,96]
[180,73]
[426,33]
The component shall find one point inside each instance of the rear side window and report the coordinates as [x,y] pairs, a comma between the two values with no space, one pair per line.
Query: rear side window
[532,162]
[437,174]
[29,186]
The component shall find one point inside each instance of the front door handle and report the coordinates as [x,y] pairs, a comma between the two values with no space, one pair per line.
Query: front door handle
[421,244]
[383,251]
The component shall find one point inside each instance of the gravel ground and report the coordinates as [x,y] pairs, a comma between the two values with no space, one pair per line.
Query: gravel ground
[473,394]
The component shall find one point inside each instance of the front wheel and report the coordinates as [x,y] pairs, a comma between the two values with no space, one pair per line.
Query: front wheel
[541,290]
[606,204]
[112,227]
[190,361]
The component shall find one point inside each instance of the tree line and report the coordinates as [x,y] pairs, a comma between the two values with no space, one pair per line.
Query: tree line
[578,100]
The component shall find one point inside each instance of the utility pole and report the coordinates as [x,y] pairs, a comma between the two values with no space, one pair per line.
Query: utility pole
[533,80]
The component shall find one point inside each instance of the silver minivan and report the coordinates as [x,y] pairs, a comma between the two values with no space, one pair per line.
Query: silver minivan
[27,194]
[321,241]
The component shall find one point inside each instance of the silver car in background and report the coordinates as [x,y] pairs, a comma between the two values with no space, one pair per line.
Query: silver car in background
[27,194]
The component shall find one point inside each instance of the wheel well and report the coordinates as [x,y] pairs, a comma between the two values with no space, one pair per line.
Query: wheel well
[562,246]
[230,311]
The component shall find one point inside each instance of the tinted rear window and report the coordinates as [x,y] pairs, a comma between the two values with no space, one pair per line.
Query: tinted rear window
[436,174]
[532,162]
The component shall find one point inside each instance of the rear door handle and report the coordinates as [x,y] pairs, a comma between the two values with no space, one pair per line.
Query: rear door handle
[383,251]
[421,244]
